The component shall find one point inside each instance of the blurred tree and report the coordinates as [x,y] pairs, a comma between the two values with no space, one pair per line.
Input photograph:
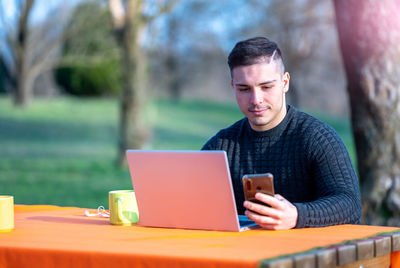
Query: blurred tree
[177,41]
[192,42]
[172,60]
[297,26]
[89,63]
[31,48]
[178,33]
[18,43]
[369,34]
[129,19]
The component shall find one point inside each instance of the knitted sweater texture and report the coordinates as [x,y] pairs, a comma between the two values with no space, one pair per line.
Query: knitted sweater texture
[310,164]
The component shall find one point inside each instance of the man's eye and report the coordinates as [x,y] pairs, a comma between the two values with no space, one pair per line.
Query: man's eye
[265,88]
[243,89]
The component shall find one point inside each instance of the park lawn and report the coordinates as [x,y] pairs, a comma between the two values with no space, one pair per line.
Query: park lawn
[62,151]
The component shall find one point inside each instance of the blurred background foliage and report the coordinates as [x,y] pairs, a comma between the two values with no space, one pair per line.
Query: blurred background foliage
[185,49]
[101,79]
[60,145]
[89,65]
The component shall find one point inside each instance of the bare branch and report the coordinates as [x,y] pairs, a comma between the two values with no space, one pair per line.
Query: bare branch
[10,39]
[41,66]
[47,47]
[164,9]
[3,20]
[23,21]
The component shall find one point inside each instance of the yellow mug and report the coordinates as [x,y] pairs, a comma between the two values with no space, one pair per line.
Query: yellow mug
[6,213]
[123,207]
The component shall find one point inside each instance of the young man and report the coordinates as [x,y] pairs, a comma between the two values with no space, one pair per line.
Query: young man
[314,179]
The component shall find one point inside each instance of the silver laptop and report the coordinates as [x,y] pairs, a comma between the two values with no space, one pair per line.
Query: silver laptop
[185,189]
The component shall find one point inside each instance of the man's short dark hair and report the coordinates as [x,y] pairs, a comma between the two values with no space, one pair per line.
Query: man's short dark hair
[255,50]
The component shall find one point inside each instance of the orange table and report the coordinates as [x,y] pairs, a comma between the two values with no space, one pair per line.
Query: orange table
[50,236]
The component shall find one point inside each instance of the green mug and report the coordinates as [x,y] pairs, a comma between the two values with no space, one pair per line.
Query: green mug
[123,207]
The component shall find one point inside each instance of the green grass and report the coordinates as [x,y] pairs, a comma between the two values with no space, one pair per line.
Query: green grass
[62,151]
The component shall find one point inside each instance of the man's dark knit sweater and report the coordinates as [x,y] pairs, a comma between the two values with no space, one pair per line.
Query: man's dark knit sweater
[310,164]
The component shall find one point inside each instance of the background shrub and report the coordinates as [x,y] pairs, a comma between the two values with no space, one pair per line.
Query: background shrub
[103,79]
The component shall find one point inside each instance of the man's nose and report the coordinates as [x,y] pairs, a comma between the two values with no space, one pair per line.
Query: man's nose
[256,96]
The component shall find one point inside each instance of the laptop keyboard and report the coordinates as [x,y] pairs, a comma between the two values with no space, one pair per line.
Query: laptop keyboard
[244,221]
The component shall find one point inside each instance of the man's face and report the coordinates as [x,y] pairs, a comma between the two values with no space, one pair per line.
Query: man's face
[260,93]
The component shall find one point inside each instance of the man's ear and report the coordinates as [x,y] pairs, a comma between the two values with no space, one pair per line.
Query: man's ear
[285,80]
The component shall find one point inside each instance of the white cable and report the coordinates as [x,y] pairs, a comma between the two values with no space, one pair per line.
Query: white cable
[100,212]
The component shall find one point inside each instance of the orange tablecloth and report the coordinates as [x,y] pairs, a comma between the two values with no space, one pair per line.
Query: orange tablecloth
[49,236]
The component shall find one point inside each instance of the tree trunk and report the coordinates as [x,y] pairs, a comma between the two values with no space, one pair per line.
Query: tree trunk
[23,90]
[23,85]
[369,34]
[174,79]
[129,20]
[133,131]
[20,94]
[174,82]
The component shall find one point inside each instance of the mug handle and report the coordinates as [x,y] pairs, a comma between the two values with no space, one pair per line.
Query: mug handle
[119,205]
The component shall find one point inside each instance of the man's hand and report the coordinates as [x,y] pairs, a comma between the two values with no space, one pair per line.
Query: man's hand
[281,215]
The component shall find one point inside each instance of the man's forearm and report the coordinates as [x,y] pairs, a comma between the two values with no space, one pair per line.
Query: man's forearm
[330,210]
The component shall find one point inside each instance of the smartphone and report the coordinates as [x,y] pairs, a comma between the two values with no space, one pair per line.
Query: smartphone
[252,184]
